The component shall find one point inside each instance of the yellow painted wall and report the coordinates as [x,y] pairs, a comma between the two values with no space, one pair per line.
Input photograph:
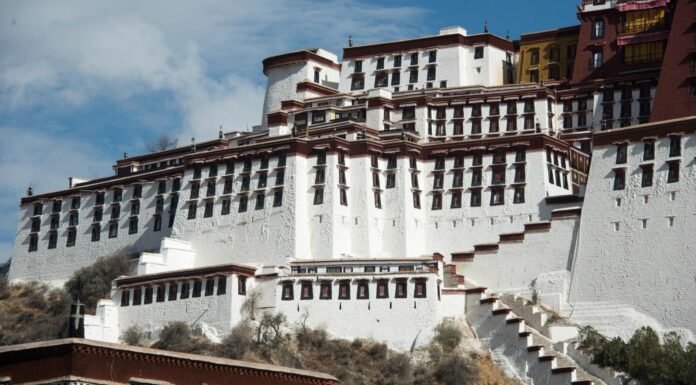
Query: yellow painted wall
[525,59]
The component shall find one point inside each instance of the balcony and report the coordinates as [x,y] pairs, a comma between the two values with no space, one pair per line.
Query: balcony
[643,27]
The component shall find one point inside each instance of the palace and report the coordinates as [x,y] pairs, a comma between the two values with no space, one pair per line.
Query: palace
[463,176]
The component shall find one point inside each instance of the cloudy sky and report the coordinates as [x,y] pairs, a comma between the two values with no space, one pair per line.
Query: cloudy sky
[82,82]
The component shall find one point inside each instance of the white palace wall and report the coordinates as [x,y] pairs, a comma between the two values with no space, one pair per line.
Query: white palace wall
[622,261]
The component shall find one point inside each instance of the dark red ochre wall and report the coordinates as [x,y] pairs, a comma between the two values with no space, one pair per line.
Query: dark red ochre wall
[586,44]
[672,99]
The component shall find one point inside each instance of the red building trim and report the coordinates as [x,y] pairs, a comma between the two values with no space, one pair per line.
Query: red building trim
[425,43]
[297,57]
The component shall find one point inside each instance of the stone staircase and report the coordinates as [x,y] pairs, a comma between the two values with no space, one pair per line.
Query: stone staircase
[517,347]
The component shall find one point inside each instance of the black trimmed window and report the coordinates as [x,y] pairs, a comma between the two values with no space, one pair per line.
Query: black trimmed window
[195,190]
[287,291]
[176,185]
[306,290]
[344,290]
[438,181]
[325,290]
[260,200]
[383,288]
[456,202]
[173,288]
[437,201]
[135,208]
[208,210]
[193,207]
[243,203]
[673,172]
[413,76]
[35,225]
[320,176]
[185,290]
[118,195]
[133,225]
[401,288]
[420,289]
[621,153]
[674,145]
[278,198]
[161,290]
[241,285]
[475,199]
[148,295]
[210,286]
[497,196]
[72,237]
[75,203]
[113,230]
[363,289]
[137,296]
[647,175]
[229,167]
[597,28]
[518,196]
[520,174]
[33,242]
[210,190]
[280,178]
[125,297]
[476,178]
[96,232]
[397,60]
[343,197]
[196,172]
[197,288]
[318,196]
[619,179]
[115,211]
[458,179]
[222,285]
[38,209]
[378,199]
[416,200]
[99,200]
[478,52]
[52,240]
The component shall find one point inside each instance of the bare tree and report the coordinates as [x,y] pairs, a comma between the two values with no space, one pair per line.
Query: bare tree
[162,143]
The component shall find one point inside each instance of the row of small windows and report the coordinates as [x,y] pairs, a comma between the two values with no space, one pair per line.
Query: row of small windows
[226,205]
[647,175]
[174,290]
[281,161]
[362,289]
[211,185]
[117,197]
[497,198]
[675,149]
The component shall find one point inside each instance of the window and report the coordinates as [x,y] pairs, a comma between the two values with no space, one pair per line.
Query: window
[246,181]
[344,290]
[176,185]
[318,196]
[416,200]
[193,206]
[456,202]
[325,290]
[227,188]
[597,28]
[647,175]
[135,208]
[381,79]
[391,180]
[520,174]
[582,119]
[498,175]
[260,199]
[247,165]
[413,76]
[431,74]
[512,124]
[378,199]
[319,176]
[148,295]
[674,146]
[118,195]
[518,197]
[414,58]
[458,179]
[195,190]
[673,173]
[99,199]
[75,203]
[396,78]
[619,179]
[357,83]
[160,293]
[512,107]
[307,291]
[438,181]
[382,288]
[649,150]
[363,291]
[497,196]
[209,286]
[173,287]
[534,76]
[643,53]
[208,210]
[113,230]
[397,61]
[263,180]
[343,196]
[478,52]
[342,177]
[278,198]
[197,287]
[138,296]
[621,153]
[133,225]
[226,204]
[125,297]
[437,201]
[476,178]
[316,76]
[287,293]
[597,60]
[419,289]
[96,232]
[54,222]
[357,66]
[493,125]
[534,56]
[35,224]
[241,284]
[158,223]
[196,172]
[185,290]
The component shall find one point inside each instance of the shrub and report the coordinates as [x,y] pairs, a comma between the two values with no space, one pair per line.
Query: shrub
[178,337]
[455,369]
[134,335]
[238,342]
[32,312]
[92,283]
[5,268]
[447,335]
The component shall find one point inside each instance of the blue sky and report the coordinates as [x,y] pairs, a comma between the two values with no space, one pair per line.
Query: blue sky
[82,82]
